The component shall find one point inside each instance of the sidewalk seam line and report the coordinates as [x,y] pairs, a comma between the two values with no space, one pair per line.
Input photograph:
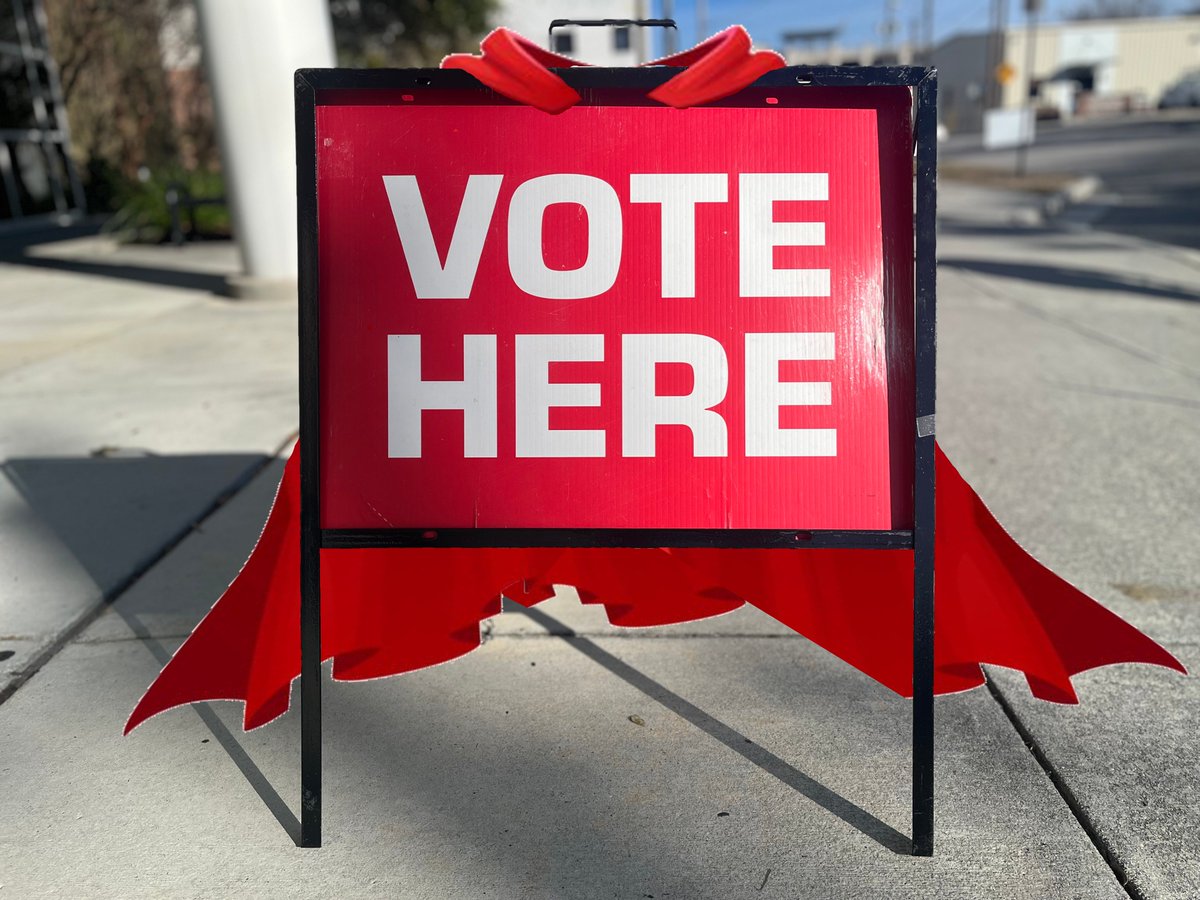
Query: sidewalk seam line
[85,618]
[1068,795]
[94,339]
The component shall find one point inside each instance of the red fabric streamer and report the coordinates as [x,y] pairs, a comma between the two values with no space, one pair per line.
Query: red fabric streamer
[520,70]
[385,612]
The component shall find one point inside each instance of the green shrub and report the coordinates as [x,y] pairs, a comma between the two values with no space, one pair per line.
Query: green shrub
[143,214]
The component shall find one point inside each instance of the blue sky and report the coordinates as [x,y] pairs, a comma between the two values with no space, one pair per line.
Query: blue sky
[858,19]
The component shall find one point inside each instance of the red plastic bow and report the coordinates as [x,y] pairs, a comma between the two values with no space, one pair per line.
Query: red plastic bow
[519,69]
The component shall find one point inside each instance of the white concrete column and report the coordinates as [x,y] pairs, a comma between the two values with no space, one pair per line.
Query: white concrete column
[252,49]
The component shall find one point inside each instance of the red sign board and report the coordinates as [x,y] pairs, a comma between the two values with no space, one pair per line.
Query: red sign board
[617,317]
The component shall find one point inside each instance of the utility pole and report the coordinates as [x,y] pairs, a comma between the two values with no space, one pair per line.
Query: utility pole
[670,45]
[701,20]
[992,89]
[927,17]
[888,27]
[1032,8]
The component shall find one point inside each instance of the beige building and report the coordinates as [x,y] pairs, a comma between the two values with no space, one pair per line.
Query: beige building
[823,47]
[1079,68]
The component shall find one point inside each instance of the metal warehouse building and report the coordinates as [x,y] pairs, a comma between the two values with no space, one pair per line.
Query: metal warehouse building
[1079,68]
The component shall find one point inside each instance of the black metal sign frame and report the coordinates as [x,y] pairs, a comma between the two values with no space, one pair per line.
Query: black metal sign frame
[315,86]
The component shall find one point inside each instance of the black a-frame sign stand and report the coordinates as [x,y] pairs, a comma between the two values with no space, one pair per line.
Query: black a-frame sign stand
[315,87]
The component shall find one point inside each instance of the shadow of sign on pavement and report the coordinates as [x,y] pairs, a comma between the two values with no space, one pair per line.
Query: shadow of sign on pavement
[117,515]
[84,529]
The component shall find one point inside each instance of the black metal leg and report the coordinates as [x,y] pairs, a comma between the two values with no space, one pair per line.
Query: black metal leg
[924,469]
[310,498]
[310,696]
[922,738]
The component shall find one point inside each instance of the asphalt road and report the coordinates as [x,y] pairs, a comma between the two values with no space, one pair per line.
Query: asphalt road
[1149,166]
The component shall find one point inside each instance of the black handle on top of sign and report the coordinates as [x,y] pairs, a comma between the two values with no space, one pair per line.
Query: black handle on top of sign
[624,24]
[310,84]
[613,23]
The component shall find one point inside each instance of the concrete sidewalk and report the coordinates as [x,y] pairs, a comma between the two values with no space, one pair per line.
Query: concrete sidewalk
[1070,386]
[763,767]
[131,400]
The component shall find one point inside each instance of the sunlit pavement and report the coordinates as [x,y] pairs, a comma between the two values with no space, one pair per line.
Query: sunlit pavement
[140,421]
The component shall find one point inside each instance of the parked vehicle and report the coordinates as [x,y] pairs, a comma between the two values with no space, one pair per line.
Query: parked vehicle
[1184,92]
